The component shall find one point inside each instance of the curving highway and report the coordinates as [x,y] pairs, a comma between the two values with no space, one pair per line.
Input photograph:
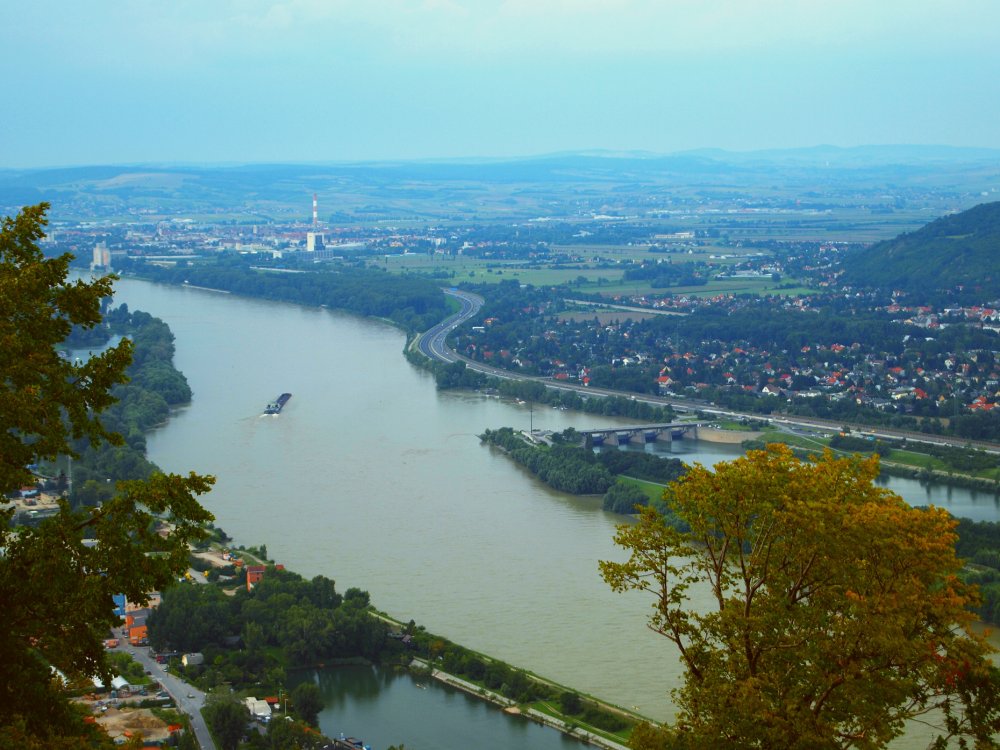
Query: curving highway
[432,342]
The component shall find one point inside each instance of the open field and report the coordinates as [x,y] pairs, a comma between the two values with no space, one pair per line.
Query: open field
[587,276]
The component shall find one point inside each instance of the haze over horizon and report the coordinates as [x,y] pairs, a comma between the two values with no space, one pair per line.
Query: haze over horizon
[333,80]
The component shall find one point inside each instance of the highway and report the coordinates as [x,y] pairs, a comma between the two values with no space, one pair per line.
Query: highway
[432,344]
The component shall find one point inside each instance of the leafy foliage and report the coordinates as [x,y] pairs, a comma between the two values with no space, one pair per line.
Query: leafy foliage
[836,610]
[307,622]
[56,590]
[563,467]
[307,702]
[154,386]
[45,399]
[227,718]
[624,497]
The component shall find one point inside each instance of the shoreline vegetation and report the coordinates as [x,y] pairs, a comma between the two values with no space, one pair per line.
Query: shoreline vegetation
[155,388]
[251,639]
[570,465]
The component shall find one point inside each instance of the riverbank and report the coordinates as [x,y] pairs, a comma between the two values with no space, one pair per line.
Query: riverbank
[804,447]
[726,437]
[509,706]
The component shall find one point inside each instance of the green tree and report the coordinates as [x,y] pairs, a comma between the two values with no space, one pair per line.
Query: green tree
[227,718]
[570,703]
[55,589]
[308,702]
[836,612]
[624,497]
[44,398]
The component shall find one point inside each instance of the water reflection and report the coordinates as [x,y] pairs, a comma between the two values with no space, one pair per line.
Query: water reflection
[384,707]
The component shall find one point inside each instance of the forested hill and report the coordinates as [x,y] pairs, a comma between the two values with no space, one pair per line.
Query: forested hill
[956,254]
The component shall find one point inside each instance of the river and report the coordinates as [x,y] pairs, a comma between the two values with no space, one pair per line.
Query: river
[374,478]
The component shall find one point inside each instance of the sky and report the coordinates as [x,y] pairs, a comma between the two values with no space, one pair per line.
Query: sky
[224,81]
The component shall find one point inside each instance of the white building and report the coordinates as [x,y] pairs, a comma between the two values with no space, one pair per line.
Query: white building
[259,709]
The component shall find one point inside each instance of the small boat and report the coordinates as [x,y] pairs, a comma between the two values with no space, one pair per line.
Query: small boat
[275,407]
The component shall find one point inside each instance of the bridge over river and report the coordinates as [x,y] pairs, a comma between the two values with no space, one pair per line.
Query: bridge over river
[645,433]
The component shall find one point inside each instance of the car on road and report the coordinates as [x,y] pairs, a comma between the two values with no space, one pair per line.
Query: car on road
[190,695]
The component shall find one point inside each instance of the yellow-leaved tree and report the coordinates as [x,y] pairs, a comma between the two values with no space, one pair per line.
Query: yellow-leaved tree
[837,613]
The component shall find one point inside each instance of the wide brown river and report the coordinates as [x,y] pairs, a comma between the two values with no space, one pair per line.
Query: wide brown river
[374,478]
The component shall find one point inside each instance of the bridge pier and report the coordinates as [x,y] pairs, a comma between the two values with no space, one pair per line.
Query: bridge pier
[642,434]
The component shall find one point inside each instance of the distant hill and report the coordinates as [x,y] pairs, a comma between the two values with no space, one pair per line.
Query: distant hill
[567,185]
[957,251]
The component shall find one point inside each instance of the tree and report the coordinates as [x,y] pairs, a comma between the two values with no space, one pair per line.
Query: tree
[835,610]
[570,703]
[624,497]
[308,702]
[55,589]
[45,397]
[227,718]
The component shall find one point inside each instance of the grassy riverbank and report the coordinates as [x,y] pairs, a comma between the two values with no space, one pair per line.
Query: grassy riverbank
[252,638]
[967,467]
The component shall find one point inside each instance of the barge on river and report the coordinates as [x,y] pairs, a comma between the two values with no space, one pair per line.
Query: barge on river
[278,404]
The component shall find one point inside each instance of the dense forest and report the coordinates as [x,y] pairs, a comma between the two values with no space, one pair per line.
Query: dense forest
[155,386]
[413,303]
[250,638]
[567,467]
[955,254]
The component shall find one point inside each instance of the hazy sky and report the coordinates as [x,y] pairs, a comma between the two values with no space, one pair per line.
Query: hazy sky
[316,80]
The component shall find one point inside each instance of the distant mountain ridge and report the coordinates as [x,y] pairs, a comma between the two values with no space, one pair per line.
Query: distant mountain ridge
[515,188]
[960,252]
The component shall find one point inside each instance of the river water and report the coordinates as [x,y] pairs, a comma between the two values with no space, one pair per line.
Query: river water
[372,477]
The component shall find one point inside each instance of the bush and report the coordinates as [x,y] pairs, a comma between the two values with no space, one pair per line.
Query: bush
[623,497]
[570,703]
[609,722]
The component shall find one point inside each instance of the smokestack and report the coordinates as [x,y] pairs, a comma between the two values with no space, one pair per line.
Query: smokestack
[315,212]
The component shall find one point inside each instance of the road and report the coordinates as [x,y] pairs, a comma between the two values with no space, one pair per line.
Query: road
[187,698]
[433,344]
